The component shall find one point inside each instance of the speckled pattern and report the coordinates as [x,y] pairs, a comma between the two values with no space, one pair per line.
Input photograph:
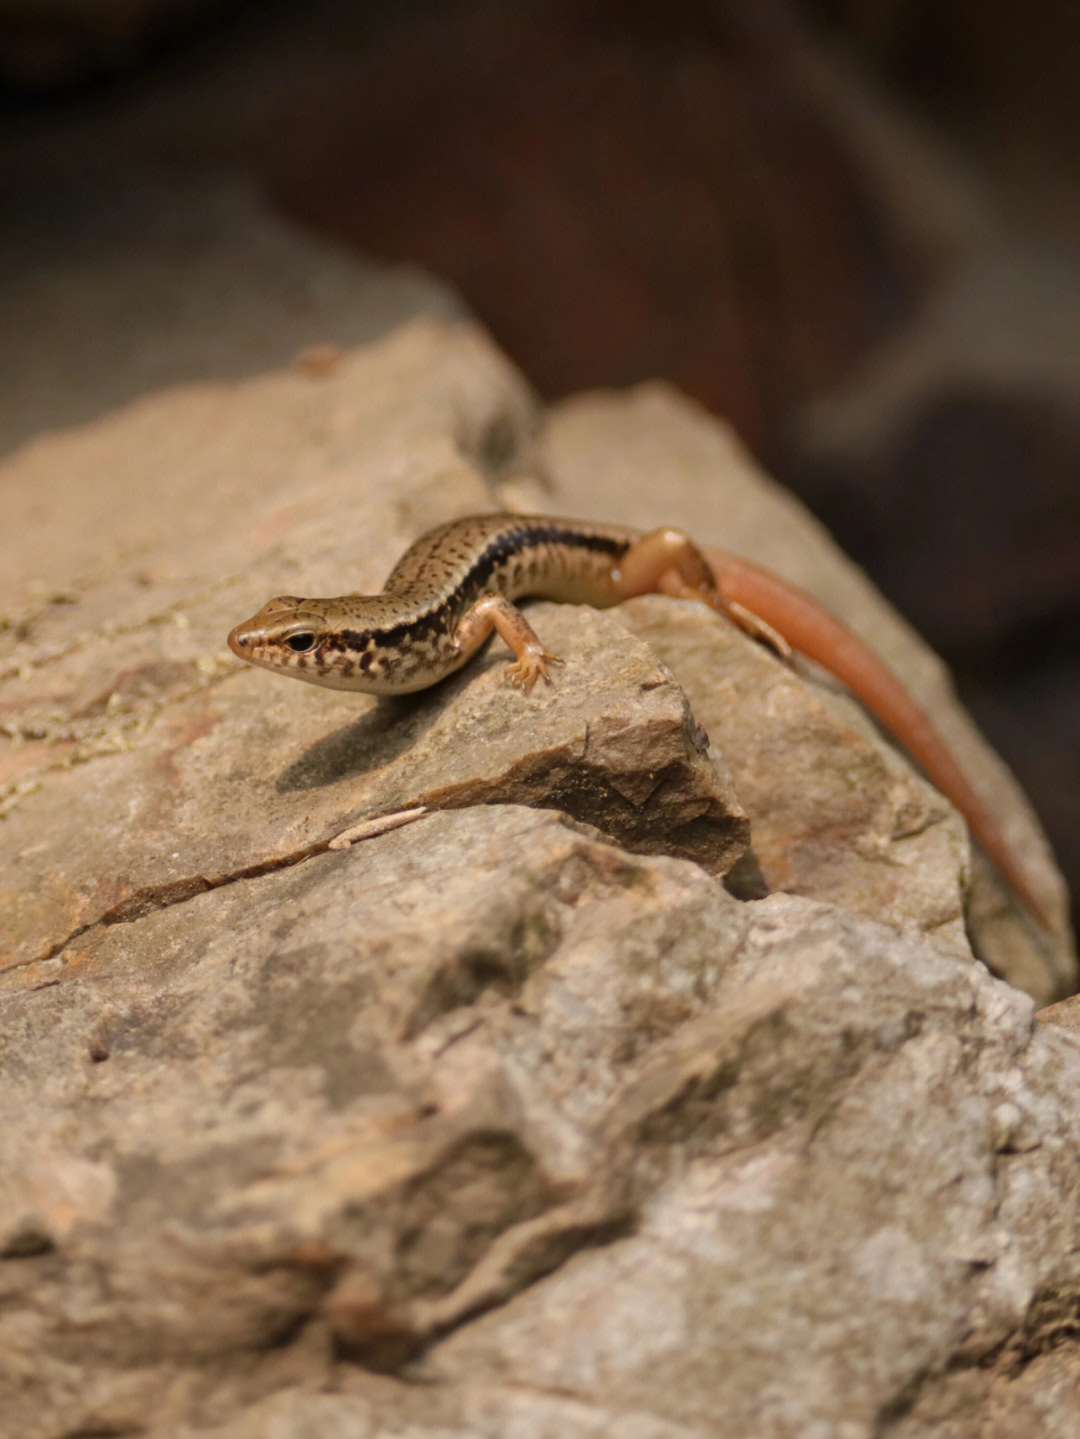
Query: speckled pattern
[404,638]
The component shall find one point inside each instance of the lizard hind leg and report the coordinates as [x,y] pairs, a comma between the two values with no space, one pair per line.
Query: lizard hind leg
[668,562]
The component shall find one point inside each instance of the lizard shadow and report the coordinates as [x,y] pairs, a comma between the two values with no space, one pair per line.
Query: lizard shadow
[378,737]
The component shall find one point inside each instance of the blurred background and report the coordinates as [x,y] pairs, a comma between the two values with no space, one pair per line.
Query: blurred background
[850,229]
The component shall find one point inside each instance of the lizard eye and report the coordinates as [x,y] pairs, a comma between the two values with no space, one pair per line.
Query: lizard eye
[301,642]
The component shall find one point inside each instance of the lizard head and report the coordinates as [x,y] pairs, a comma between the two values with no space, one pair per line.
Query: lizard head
[285,635]
[310,640]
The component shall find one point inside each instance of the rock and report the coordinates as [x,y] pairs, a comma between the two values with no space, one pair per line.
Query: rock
[515,1119]
[836,815]
[715,1128]
[116,693]
[603,454]
[346,1130]
[614,743]
[1065,1013]
[818,1234]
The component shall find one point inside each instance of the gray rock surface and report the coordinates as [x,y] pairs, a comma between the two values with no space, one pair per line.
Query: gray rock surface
[601,1130]
[521,1119]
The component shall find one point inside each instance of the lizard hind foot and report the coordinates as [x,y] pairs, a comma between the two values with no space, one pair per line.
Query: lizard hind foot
[738,614]
[755,626]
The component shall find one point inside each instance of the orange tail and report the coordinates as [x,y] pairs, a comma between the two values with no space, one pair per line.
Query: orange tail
[821,637]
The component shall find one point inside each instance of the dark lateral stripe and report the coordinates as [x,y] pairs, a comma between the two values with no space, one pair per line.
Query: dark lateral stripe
[422,628]
[416,631]
[506,547]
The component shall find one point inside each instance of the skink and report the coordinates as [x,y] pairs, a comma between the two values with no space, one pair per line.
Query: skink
[458,583]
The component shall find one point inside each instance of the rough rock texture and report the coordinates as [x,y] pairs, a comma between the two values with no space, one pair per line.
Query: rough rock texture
[778,1166]
[519,1119]
[603,455]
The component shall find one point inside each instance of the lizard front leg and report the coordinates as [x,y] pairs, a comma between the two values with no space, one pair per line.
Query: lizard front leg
[494,612]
